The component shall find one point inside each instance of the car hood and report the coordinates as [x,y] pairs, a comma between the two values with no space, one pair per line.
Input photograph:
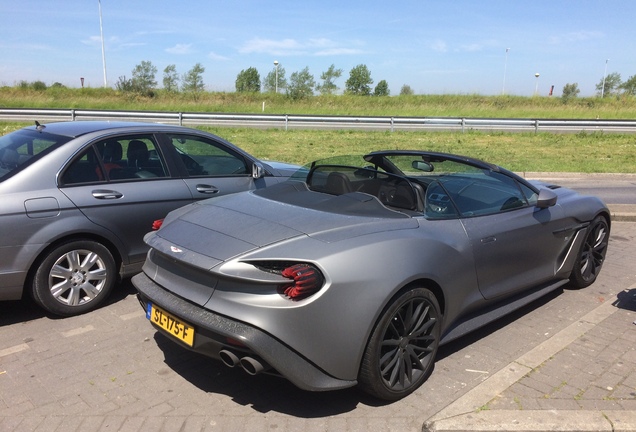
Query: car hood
[210,232]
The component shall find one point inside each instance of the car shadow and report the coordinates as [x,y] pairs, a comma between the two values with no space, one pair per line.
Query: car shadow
[626,300]
[20,311]
[474,336]
[263,393]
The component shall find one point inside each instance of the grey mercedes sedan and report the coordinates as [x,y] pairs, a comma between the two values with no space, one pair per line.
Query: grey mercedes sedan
[77,198]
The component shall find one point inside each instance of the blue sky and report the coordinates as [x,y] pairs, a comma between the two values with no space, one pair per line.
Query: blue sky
[435,47]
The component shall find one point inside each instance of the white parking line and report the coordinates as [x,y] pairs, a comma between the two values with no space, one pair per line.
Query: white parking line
[78,331]
[13,349]
[129,316]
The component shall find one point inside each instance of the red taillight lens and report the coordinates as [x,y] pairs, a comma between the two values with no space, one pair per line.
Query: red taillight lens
[157,224]
[307,281]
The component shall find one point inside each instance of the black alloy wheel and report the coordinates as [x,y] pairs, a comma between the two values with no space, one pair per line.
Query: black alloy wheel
[592,254]
[401,352]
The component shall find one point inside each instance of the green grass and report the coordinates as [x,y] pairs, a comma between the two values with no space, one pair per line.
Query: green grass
[542,152]
[623,107]
[520,152]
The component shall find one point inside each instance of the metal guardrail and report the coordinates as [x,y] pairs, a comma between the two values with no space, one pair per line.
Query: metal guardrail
[288,121]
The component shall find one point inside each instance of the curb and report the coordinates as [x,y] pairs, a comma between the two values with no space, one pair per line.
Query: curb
[470,412]
[538,421]
[622,212]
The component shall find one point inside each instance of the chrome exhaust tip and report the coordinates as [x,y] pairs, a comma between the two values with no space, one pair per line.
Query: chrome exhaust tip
[229,358]
[253,366]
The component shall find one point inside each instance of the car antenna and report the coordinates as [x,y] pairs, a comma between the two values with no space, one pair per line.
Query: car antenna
[39,127]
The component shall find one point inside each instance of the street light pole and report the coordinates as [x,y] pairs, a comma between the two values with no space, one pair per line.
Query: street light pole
[503,88]
[536,87]
[276,64]
[101,31]
[604,75]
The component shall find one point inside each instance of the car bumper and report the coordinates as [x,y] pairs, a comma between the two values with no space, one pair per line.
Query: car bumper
[213,332]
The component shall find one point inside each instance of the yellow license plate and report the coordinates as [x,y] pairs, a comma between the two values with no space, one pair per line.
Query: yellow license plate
[171,324]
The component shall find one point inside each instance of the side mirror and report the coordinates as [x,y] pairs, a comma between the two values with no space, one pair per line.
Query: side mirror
[422,166]
[547,198]
[257,171]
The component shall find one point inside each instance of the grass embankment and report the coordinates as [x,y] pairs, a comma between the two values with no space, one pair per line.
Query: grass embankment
[398,106]
[543,152]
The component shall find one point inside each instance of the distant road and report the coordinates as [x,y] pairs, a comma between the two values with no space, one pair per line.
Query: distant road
[611,188]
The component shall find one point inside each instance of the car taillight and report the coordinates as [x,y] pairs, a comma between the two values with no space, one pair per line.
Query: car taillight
[307,280]
[157,224]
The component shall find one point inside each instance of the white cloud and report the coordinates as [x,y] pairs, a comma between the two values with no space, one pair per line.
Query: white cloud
[180,49]
[269,46]
[472,47]
[289,47]
[576,37]
[338,51]
[215,56]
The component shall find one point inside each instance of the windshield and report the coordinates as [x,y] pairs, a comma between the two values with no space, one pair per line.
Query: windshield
[441,185]
[21,148]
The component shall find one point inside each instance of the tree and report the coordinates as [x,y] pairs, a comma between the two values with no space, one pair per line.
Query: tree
[359,82]
[248,81]
[612,83]
[125,85]
[570,91]
[328,77]
[406,90]
[301,84]
[382,89]
[192,81]
[269,82]
[629,86]
[143,78]
[170,78]
[38,85]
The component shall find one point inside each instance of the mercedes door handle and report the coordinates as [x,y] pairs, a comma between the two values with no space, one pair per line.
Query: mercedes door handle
[106,194]
[207,189]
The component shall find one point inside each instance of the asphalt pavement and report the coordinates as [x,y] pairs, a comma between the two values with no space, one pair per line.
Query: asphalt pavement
[565,362]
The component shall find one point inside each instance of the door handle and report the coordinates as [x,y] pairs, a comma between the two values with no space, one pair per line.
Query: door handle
[207,189]
[490,239]
[106,194]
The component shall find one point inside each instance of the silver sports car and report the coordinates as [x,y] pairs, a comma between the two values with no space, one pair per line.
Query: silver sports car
[355,270]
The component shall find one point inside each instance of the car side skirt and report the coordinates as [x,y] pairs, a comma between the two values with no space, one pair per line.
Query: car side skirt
[212,327]
[482,317]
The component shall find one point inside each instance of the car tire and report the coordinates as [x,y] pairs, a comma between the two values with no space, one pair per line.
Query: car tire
[591,255]
[74,278]
[401,351]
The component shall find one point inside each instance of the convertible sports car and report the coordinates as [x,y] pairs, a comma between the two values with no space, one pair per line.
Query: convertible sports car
[356,269]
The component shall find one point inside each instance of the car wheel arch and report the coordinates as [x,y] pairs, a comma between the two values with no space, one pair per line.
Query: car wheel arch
[430,285]
[607,216]
[426,283]
[114,251]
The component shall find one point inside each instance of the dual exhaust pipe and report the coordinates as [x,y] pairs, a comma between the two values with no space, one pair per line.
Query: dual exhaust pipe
[249,364]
